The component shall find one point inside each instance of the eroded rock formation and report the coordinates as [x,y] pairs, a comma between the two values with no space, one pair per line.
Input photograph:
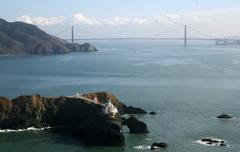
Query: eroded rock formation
[135,126]
[83,118]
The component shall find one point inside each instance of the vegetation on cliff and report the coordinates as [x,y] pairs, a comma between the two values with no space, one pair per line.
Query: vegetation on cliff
[23,38]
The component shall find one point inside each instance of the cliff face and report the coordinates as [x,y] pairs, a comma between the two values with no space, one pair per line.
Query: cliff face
[84,119]
[22,38]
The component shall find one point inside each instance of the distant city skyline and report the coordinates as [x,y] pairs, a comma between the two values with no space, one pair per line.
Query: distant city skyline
[125,18]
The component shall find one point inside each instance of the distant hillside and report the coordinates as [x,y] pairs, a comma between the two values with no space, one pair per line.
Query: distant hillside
[23,38]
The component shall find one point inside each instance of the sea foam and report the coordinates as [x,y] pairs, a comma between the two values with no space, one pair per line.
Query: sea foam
[142,147]
[22,130]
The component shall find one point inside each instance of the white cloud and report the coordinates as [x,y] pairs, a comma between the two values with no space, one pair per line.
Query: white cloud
[126,21]
[43,21]
[185,18]
[167,18]
[141,21]
[80,18]
[26,19]
[118,21]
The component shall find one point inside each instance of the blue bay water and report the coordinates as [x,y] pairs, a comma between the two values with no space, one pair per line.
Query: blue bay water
[188,86]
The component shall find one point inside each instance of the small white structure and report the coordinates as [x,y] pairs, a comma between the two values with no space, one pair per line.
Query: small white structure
[77,95]
[110,109]
[95,99]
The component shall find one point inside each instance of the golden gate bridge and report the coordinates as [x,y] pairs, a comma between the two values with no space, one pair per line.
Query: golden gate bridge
[185,38]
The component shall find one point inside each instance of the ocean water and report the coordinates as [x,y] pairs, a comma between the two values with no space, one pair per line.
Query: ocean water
[187,86]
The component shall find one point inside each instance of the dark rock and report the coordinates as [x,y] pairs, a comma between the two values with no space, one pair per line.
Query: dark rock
[211,141]
[85,119]
[135,126]
[134,110]
[155,146]
[123,119]
[5,109]
[222,144]
[215,141]
[23,38]
[104,97]
[152,113]
[206,140]
[224,116]
[86,47]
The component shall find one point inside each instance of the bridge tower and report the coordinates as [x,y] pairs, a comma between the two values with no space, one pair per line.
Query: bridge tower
[72,34]
[185,35]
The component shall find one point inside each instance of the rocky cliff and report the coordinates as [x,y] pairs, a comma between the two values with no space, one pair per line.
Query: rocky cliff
[84,116]
[23,38]
[84,119]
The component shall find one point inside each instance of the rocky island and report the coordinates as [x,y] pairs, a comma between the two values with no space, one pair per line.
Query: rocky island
[94,118]
[23,38]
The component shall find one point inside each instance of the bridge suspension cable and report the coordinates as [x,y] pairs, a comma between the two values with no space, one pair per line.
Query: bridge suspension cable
[92,33]
[63,31]
[164,33]
[201,33]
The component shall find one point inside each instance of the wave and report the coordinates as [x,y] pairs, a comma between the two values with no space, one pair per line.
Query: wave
[149,139]
[2,55]
[169,62]
[142,147]
[23,130]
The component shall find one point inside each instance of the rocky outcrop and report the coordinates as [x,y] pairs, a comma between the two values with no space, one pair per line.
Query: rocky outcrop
[156,146]
[213,142]
[5,108]
[224,116]
[135,126]
[86,47]
[103,97]
[134,110]
[152,113]
[83,118]
[23,38]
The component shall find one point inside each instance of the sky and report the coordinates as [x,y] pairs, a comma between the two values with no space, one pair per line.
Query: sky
[128,18]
